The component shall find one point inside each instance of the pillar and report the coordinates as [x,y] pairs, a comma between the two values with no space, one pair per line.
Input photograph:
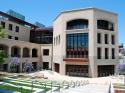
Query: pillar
[20,59]
[9,58]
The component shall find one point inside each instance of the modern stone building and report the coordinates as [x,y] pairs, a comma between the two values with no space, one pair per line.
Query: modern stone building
[85,42]
[82,42]
[19,42]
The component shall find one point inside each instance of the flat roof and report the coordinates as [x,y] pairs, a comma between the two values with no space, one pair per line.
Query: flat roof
[17,19]
[83,9]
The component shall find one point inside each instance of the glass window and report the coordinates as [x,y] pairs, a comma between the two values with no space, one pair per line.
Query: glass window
[113,53]
[98,38]
[17,28]
[59,39]
[99,51]
[106,53]
[10,27]
[106,25]
[76,44]
[106,39]
[77,24]
[3,24]
[16,38]
[9,37]
[45,52]
[113,39]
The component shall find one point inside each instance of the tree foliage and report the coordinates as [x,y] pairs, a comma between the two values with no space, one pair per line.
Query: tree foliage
[2,33]
[2,52]
[2,56]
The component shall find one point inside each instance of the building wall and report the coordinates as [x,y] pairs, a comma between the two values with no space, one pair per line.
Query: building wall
[92,14]
[112,18]
[60,28]
[22,42]
[47,58]
[23,34]
[21,45]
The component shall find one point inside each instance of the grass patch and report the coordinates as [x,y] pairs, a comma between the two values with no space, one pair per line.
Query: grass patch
[14,89]
[42,86]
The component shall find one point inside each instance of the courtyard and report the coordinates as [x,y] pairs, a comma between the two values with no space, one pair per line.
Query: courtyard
[51,82]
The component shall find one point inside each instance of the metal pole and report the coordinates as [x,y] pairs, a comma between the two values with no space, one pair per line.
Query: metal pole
[51,87]
[32,87]
[21,90]
[45,87]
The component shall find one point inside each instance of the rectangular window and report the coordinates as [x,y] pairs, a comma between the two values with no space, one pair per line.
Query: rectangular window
[106,53]
[59,39]
[106,38]
[10,27]
[45,52]
[113,39]
[3,24]
[17,28]
[99,51]
[76,45]
[16,38]
[113,53]
[9,37]
[99,38]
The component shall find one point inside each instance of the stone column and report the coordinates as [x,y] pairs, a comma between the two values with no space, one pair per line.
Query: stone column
[30,52]
[9,58]
[21,58]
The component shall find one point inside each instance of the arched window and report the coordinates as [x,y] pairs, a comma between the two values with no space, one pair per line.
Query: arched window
[26,52]
[106,25]
[15,51]
[34,52]
[77,24]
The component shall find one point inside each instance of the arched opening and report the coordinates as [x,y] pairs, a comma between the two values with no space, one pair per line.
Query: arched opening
[15,51]
[5,48]
[34,52]
[77,24]
[106,25]
[26,52]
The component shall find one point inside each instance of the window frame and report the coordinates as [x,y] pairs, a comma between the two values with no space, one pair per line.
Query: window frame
[45,52]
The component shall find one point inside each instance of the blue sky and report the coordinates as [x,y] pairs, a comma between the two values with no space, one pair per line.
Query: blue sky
[44,11]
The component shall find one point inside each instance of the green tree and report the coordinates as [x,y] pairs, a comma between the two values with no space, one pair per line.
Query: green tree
[2,52]
[2,33]
[2,56]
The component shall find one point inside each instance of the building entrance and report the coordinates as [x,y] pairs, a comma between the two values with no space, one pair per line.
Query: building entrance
[105,70]
[57,66]
[45,65]
[77,70]
[34,65]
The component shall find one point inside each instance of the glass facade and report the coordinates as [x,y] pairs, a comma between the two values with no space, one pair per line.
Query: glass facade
[77,45]
[77,70]
[77,24]
[15,14]
[106,25]
[41,37]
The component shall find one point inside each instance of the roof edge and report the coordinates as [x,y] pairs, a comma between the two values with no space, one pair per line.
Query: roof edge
[83,9]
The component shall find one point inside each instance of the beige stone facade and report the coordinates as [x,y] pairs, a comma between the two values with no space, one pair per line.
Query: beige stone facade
[96,55]
[92,63]
[21,47]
